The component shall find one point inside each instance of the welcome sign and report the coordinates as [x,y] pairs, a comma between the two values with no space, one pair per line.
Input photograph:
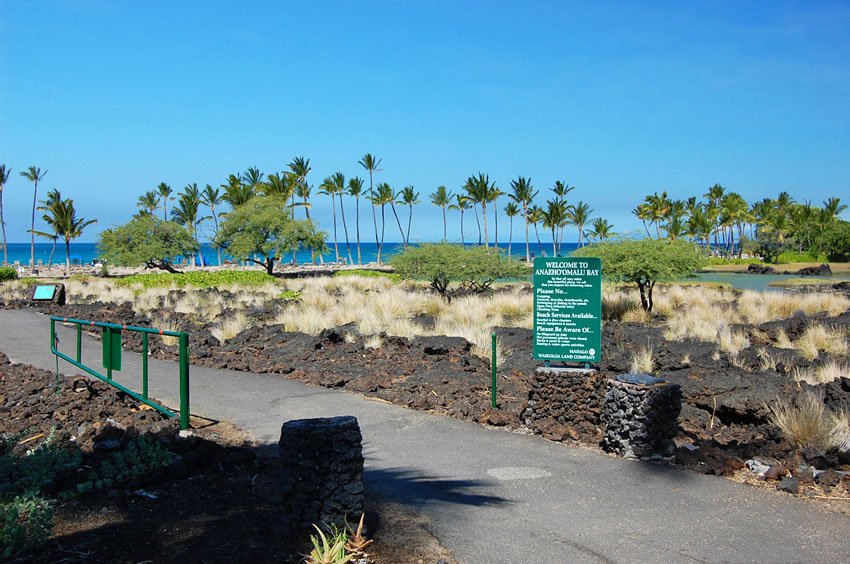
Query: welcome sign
[567,309]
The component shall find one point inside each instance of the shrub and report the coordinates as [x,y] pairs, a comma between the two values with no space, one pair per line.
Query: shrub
[442,263]
[25,525]
[8,273]
[788,257]
[645,262]
[363,273]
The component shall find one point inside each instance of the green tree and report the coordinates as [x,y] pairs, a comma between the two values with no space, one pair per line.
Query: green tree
[462,204]
[4,177]
[330,187]
[148,202]
[523,194]
[601,229]
[554,217]
[300,168]
[481,191]
[264,228]
[211,197]
[536,215]
[511,210]
[355,189]
[645,262]
[338,179]
[236,192]
[165,191]
[409,198]
[34,175]
[62,217]
[381,197]
[579,215]
[371,163]
[146,240]
[395,214]
[50,206]
[187,212]
[442,198]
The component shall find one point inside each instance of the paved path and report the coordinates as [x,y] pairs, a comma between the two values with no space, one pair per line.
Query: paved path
[495,496]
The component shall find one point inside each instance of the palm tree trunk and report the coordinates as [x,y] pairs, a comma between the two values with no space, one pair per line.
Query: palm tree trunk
[496,224]
[32,227]
[383,229]
[409,221]
[462,241]
[527,247]
[357,221]
[3,228]
[336,244]
[478,222]
[345,228]
[510,236]
[52,250]
[444,222]
[484,219]
[398,221]
[539,244]
[375,221]
[554,242]
[67,257]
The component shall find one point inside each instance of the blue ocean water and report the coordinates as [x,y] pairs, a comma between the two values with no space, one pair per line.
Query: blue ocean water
[85,253]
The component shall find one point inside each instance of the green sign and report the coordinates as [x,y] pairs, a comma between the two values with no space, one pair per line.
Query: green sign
[111,348]
[568,309]
[44,292]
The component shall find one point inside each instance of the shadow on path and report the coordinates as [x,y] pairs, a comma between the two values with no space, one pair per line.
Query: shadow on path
[416,489]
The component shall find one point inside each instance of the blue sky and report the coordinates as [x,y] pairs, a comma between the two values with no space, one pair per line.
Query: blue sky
[619,99]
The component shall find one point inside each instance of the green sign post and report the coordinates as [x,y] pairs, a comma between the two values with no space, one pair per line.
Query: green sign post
[568,309]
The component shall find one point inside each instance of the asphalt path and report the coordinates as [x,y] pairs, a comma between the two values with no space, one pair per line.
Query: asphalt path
[495,496]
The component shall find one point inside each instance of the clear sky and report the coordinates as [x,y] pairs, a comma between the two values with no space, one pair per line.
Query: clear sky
[619,99]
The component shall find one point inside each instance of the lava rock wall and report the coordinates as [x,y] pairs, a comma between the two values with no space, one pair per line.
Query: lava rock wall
[565,404]
[641,420]
[322,471]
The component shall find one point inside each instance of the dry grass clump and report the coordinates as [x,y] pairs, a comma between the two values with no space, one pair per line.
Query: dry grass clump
[732,342]
[767,361]
[823,374]
[230,327]
[373,342]
[13,290]
[643,361]
[808,423]
[165,324]
[699,323]
[759,307]
[91,290]
[817,338]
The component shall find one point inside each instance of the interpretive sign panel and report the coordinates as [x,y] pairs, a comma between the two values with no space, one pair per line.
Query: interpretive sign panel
[44,292]
[568,309]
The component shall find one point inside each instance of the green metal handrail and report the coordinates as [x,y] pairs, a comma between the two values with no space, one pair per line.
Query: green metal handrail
[183,339]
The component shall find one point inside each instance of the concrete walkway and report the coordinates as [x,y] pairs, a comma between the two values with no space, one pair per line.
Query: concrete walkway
[495,496]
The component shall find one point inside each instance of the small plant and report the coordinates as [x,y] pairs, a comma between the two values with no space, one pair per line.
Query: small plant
[642,361]
[363,273]
[25,525]
[8,273]
[329,550]
[807,423]
[357,542]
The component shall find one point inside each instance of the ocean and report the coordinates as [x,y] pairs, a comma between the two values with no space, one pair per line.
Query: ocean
[85,253]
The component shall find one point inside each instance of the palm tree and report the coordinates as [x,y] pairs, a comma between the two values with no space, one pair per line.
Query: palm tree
[148,202]
[338,179]
[186,211]
[675,224]
[511,210]
[300,168]
[833,207]
[554,217]
[442,198]
[601,229]
[493,196]
[253,178]
[409,198]
[236,192]
[462,205]
[713,197]
[49,205]
[657,208]
[642,212]
[523,195]
[212,197]
[381,197]
[535,216]
[165,191]
[278,185]
[579,215]
[355,188]
[34,175]
[65,223]
[700,224]
[371,163]
[329,188]
[395,214]
[480,191]
[734,213]
[4,177]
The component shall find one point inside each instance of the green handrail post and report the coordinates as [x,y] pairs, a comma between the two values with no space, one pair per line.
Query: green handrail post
[145,365]
[79,343]
[493,369]
[184,381]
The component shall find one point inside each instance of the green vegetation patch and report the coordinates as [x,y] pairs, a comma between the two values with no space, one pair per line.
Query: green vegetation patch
[363,273]
[429,261]
[198,279]
[719,261]
[789,257]
[8,273]
[806,281]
